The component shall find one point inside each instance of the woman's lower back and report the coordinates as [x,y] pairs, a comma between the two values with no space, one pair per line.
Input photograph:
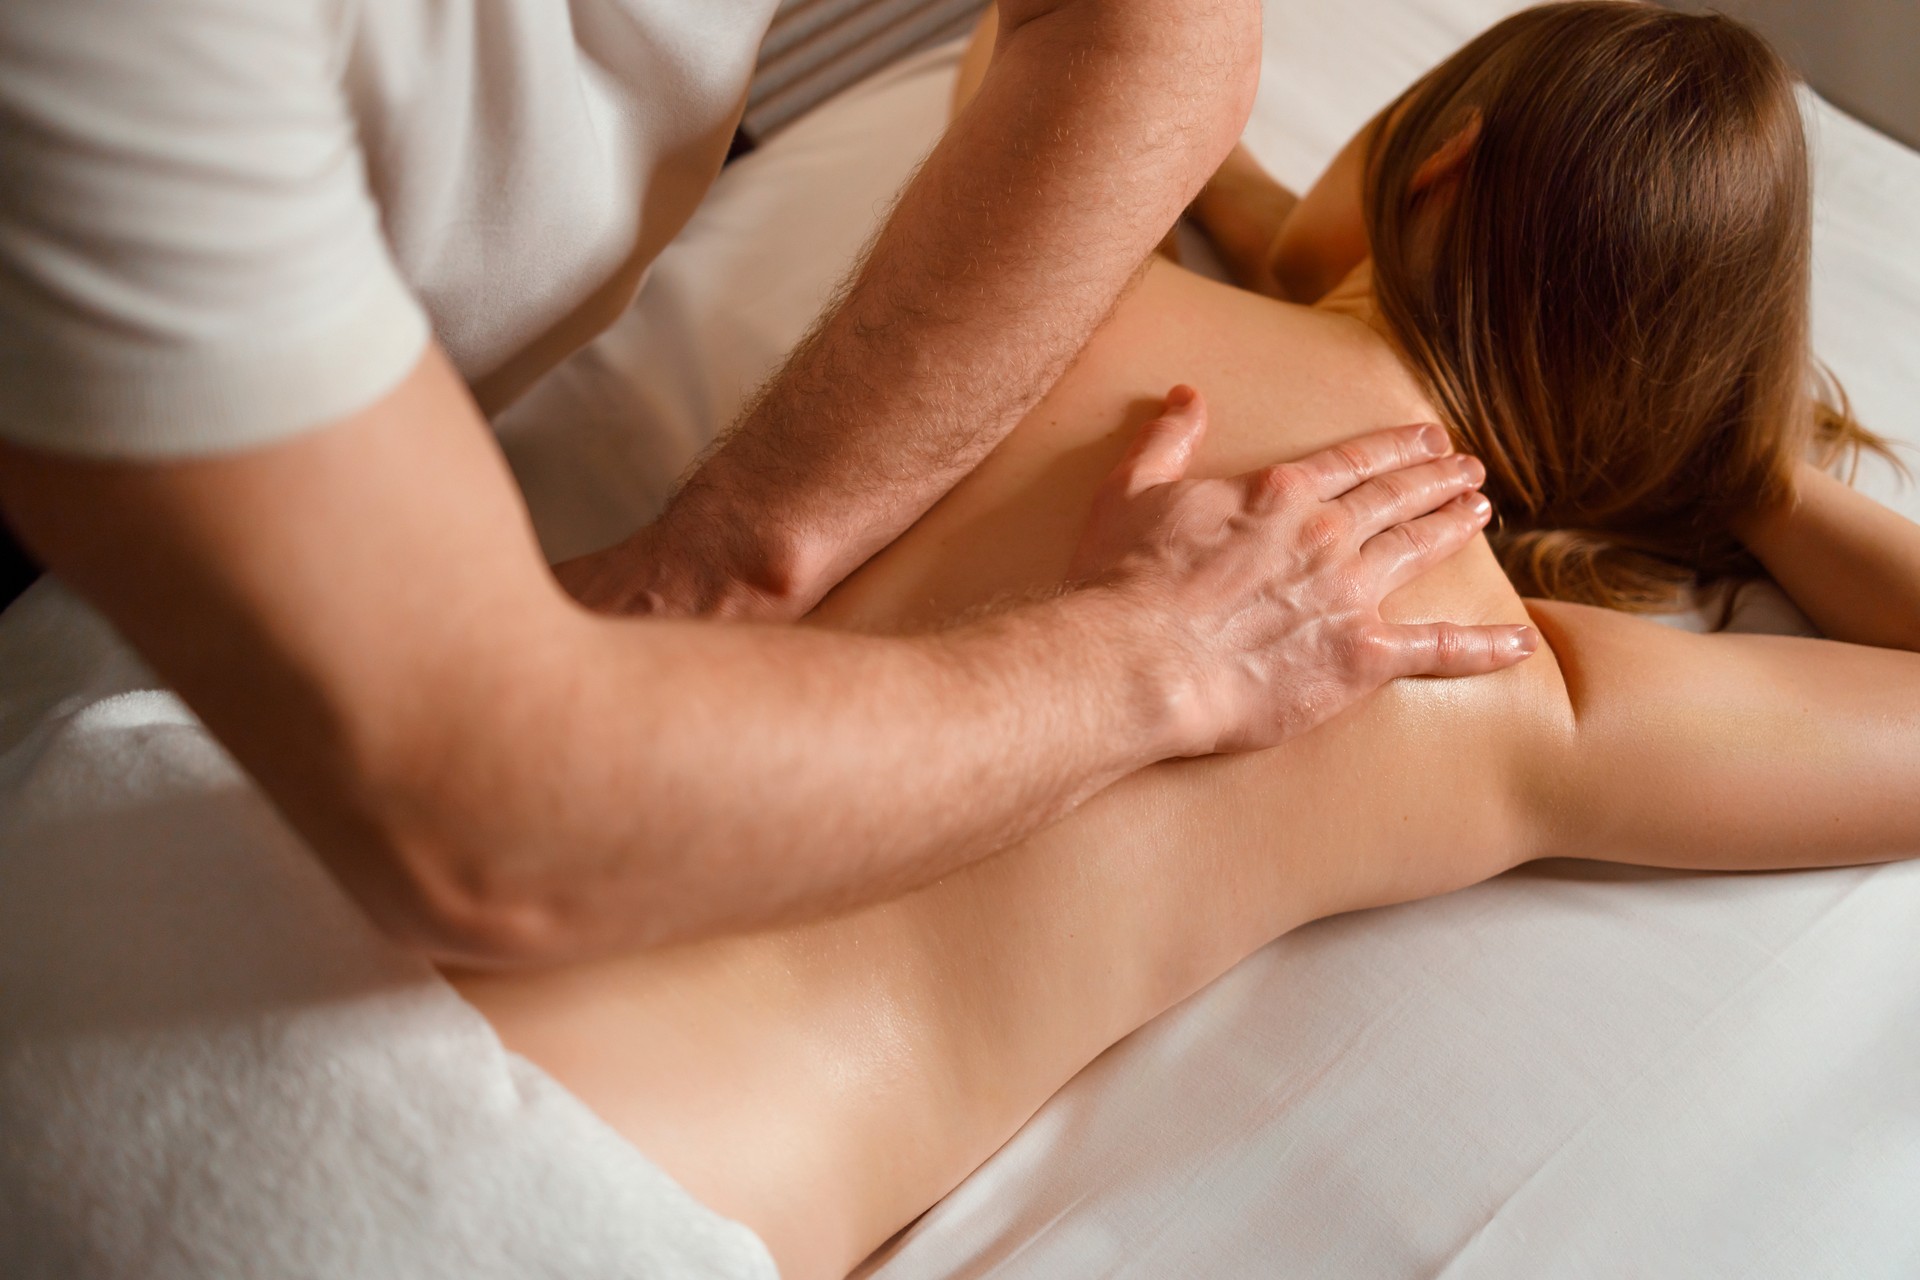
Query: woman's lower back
[826,1083]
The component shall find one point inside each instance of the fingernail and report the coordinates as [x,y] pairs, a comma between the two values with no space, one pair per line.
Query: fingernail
[1433,438]
[1472,469]
[1525,640]
[1180,397]
[1481,508]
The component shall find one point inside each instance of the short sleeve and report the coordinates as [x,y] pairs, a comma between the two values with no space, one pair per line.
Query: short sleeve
[190,258]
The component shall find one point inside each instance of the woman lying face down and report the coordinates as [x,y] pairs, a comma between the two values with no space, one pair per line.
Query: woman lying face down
[1590,233]
[1582,245]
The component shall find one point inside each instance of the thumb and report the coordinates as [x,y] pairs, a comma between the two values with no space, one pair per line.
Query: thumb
[1445,649]
[1162,451]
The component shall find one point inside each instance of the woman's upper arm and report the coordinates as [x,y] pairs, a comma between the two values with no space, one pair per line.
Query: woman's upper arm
[1731,752]
[1849,563]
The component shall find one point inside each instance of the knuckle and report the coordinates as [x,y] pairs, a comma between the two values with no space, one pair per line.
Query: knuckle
[1393,492]
[1352,457]
[1417,541]
[1367,654]
[1323,532]
[1284,482]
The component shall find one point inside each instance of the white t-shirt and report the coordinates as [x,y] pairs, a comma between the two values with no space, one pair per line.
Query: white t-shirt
[224,221]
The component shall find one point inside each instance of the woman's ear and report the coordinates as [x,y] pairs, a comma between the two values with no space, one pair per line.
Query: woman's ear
[1447,164]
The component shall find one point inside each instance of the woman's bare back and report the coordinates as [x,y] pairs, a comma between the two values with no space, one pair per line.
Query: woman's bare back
[1281,381]
[825,1083]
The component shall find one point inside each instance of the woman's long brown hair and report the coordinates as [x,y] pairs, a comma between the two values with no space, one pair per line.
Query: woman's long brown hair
[1611,302]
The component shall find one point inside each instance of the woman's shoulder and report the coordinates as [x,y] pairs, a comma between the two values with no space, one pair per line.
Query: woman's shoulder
[1282,379]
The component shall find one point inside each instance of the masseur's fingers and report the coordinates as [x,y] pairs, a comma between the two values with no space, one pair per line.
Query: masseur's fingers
[1164,449]
[1399,496]
[1447,649]
[1332,472]
[1406,551]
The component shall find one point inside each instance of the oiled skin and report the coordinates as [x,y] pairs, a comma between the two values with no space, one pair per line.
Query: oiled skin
[825,1084]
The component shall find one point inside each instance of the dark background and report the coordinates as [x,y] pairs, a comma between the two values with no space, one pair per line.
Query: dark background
[1860,54]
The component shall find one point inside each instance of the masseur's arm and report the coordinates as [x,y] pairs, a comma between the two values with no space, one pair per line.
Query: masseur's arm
[1095,124]
[361,615]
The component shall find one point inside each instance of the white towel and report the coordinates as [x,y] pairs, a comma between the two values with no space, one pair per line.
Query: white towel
[210,1063]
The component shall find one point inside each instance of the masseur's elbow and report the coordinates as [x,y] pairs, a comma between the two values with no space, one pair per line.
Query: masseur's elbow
[476,880]
[1210,52]
[1197,61]
[472,880]
[432,893]
[1232,51]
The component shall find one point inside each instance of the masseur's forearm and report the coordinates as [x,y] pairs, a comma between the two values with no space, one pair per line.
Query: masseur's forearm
[1096,124]
[1849,563]
[752,776]
[361,615]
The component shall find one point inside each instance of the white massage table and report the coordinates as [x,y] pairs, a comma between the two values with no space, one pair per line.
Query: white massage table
[1570,1071]
[1575,1070]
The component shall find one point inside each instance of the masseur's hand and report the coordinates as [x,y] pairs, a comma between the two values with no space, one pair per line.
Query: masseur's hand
[1269,584]
[697,561]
